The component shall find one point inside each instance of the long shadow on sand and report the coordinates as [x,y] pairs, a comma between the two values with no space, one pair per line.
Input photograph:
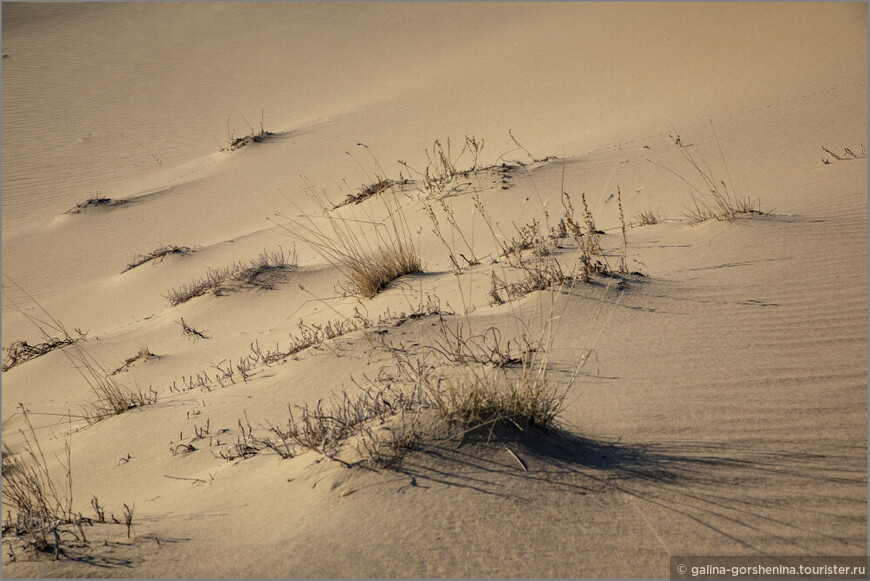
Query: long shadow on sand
[751,495]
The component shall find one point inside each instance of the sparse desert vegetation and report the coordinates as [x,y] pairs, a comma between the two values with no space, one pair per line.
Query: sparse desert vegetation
[253,136]
[847,154]
[216,281]
[712,197]
[647,217]
[144,354]
[40,492]
[461,383]
[366,191]
[19,352]
[537,326]
[42,501]
[111,397]
[190,331]
[157,255]
[96,200]
[368,260]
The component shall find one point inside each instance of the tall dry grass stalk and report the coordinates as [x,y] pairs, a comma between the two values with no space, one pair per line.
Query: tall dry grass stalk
[40,497]
[712,198]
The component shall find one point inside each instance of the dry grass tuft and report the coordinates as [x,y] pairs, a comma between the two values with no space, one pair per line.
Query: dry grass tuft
[368,252]
[42,501]
[112,398]
[365,192]
[310,335]
[157,255]
[463,380]
[216,281]
[538,275]
[458,345]
[592,232]
[97,200]
[245,446]
[646,218]
[440,176]
[715,200]
[39,492]
[239,142]
[372,275]
[21,351]
[484,379]
[325,430]
[190,331]
[252,137]
[542,269]
[494,395]
[144,354]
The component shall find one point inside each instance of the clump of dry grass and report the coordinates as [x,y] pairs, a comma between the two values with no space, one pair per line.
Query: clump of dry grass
[724,209]
[246,444]
[536,275]
[367,191]
[190,331]
[372,275]
[216,280]
[483,379]
[592,232]
[112,398]
[369,253]
[310,335]
[252,137]
[325,430]
[462,380]
[42,500]
[715,200]
[39,491]
[439,177]
[21,351]
[540,268]
[484,396]
[157,255]
[144,354]
[239,142]
[96,200]
[458,345]
[440,173]
[646,218]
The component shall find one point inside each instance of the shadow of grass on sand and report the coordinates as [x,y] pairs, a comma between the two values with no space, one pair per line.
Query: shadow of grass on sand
[730,491]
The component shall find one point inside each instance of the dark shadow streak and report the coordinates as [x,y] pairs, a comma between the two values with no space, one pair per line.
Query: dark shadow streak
[708,483]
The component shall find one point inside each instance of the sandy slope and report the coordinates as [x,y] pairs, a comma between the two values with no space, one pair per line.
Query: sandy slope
[723,409]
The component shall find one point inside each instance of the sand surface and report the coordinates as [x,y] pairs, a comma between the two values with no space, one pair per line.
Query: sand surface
[722,403]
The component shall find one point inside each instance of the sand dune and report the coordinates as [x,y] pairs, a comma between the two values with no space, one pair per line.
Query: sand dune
[715,388]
